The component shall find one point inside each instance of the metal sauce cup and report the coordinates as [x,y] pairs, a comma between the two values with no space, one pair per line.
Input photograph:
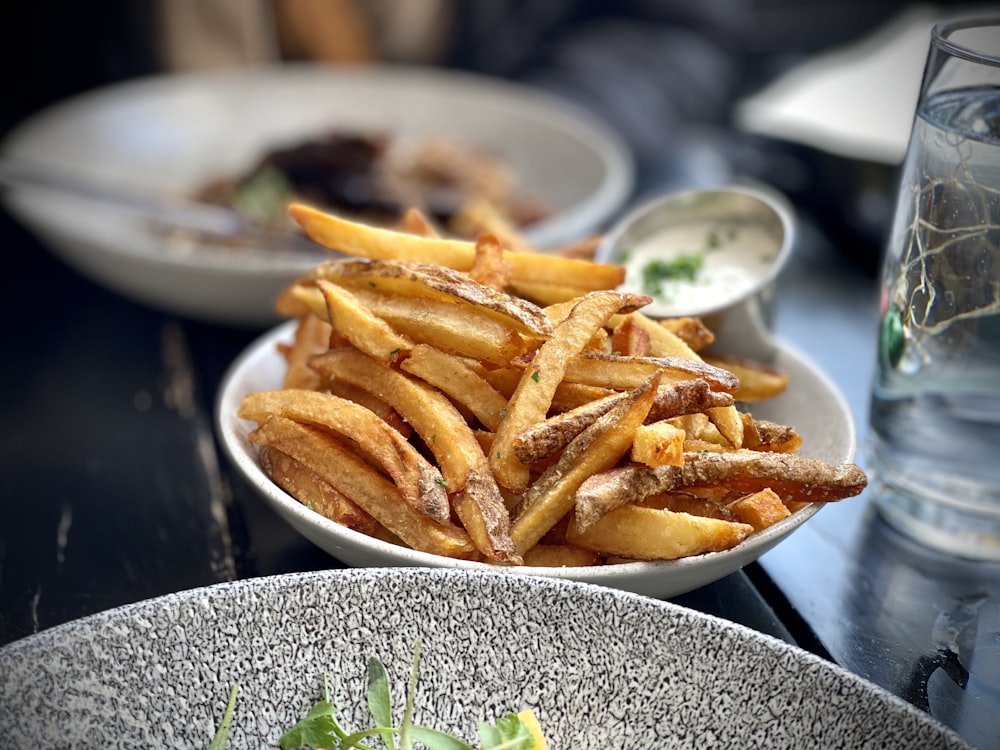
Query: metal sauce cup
[741,317]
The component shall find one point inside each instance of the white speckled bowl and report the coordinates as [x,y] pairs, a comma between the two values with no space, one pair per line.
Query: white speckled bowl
[601,668]
[811,403]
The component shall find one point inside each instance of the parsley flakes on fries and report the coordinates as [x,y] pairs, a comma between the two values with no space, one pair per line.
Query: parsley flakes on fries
[478,400]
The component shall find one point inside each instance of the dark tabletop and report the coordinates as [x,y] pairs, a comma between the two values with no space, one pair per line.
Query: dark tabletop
[113,489]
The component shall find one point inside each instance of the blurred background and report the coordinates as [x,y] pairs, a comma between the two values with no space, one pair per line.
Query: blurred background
[668,75]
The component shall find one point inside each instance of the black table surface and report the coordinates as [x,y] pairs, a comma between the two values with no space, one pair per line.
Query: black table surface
[113,489]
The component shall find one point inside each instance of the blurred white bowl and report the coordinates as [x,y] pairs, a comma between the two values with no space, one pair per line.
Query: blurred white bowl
[171,134]
[811,404]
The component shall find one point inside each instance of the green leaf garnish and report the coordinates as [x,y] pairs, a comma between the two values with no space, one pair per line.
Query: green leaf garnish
[509,733]
[222,733]
[379,698]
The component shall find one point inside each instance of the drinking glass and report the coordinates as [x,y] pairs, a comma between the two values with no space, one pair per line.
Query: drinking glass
[934,450]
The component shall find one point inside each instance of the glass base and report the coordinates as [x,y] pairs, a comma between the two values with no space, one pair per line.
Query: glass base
[954,530]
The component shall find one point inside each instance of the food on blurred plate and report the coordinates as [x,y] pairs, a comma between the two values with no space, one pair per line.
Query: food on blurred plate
[477,400]
[320,727]
[376,178]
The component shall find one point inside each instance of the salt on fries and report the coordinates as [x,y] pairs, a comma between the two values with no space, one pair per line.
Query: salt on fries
[477,400]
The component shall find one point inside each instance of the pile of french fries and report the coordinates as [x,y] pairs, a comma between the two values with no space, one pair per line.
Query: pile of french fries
[482,401]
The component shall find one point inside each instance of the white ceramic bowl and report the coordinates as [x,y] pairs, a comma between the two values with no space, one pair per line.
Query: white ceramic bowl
[170,134]
[811,404]
[600,668]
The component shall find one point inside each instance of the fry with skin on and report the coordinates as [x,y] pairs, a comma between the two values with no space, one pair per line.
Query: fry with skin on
[629,339]
[353,238]
[351,475]
[302,483]
[555,433]
[441,324]
[427,281]
[452,376]
[794,478]
[489,267]
[650,534]
[692,331]
[312,336]
[758,382]
[420,483]
[537,386]
[622,373]
[596,449]
[356,323]
[447,435]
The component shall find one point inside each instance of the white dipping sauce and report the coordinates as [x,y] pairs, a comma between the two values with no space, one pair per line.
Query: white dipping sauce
[698,267]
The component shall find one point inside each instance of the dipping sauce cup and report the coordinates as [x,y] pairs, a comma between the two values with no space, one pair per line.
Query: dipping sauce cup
[711,253]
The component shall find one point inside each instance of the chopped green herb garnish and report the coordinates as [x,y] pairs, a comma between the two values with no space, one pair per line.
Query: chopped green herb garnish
[503,412]
[684,267]
[536,376]
[441,481]
[713,241]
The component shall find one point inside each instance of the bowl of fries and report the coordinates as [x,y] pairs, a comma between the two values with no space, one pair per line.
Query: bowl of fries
[127,171]
[419,409]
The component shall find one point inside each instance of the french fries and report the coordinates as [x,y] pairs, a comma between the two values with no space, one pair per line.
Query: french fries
[481,401]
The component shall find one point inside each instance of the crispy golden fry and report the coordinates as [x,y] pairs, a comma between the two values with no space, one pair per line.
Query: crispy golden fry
[532,398]
[729,423]
[546,293]
[364,241]
[760,509]
[434,282]
[658,444]
[688,502]
[489,267]
[567,396]
[596,449]
[584,249]
[362,328]
[368,400]
[553,434]
[768,436]
[312,336]
[418,481]
[622,373]
[478,216]
[447,326]
[629,339]
[416,222]
[452,376]
[662,341]
[665,343]
[650,534]
[446,434]
[758,381]
[343,469]
[793,478]
[692,331]
[560,556]
[305,485]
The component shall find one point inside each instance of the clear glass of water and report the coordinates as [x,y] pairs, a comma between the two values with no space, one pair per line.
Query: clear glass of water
[934,451]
